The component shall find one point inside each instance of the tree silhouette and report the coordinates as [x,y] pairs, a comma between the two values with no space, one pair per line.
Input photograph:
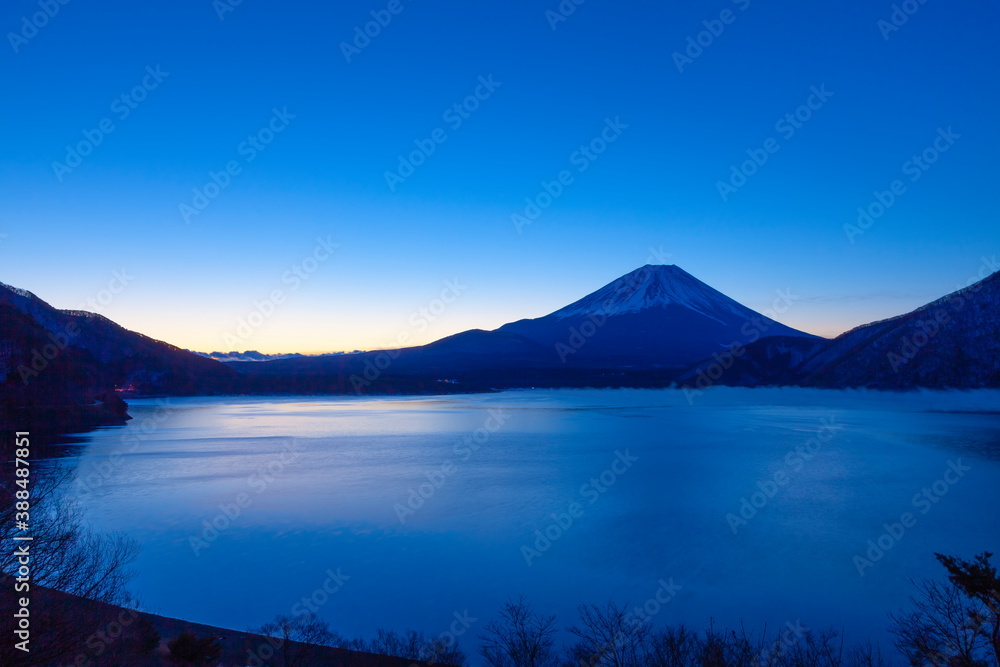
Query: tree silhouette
[955,622]
[519,637]
[979,581]
[298,636]
[64,556]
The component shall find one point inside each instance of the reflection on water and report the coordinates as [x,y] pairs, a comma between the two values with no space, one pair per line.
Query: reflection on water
[755,502]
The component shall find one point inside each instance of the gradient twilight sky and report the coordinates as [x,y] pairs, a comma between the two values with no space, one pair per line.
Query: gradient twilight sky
[323,176]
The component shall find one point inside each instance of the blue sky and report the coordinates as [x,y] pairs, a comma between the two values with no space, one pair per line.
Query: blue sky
[267,91]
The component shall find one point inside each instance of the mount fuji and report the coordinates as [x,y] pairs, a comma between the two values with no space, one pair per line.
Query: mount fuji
[642,329]
[655,286]
[658,316]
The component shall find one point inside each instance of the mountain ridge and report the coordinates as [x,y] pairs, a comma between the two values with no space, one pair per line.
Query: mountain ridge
[656,326]
[950,342]
[50,356]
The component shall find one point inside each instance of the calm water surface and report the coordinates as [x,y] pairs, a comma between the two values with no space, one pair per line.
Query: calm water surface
[431,505]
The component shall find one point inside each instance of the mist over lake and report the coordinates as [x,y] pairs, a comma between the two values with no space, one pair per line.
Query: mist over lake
[750,504]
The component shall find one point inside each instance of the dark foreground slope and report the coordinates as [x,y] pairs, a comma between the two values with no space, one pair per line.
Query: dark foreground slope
[70,630]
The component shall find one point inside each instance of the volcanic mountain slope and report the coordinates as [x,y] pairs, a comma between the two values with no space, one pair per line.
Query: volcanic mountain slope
[639,330]
[952,342]
[658,316]
[55,356]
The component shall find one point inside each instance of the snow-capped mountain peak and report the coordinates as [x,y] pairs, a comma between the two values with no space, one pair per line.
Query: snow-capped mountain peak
[654,286]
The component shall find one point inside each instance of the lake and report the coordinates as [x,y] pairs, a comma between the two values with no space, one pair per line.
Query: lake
[742,504]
